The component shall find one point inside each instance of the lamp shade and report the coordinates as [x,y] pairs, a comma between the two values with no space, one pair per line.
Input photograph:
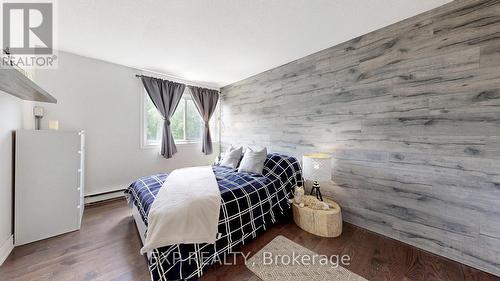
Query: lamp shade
[317,166]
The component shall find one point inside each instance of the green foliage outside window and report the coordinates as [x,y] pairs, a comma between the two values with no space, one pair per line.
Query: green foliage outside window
[186,123]
[193,121]
[154,121]
[177,122]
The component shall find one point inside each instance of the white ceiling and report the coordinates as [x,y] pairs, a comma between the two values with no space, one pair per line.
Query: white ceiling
[219,41]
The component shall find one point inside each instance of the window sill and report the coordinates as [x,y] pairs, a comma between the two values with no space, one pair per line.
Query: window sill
[186,142]
[177,143]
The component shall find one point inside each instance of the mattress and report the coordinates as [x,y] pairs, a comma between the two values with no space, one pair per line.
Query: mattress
[250,203]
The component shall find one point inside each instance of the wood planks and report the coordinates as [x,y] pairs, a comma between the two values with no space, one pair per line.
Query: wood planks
[107,248]
[411,113]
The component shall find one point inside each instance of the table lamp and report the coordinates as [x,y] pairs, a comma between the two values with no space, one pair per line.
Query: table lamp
[317,167]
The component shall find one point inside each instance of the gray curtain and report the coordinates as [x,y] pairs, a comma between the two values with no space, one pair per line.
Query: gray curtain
[165,96]
[205,101]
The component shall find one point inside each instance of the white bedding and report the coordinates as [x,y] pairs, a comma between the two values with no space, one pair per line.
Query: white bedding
[186,209]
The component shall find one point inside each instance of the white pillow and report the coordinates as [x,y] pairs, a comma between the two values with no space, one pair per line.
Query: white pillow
[232,157]
[253,161]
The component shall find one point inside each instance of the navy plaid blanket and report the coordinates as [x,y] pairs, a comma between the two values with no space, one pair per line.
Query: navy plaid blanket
[250,202]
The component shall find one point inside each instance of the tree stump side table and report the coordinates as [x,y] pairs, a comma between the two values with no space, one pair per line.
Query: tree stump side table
[325,223]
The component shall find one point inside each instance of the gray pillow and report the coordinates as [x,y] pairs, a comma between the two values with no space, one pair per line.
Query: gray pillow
[253,161]
[232,157]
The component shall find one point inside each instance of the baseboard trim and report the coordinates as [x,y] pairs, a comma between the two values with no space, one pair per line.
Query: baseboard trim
[6,248]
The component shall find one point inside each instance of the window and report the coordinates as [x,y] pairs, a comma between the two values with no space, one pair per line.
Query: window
[186,123]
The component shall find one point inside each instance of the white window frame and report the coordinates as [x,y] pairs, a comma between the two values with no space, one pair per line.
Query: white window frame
[145,143]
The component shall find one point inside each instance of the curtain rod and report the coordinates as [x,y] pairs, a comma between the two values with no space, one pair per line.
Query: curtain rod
[139,76]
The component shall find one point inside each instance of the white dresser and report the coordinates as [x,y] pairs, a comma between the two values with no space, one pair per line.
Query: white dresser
[49,182]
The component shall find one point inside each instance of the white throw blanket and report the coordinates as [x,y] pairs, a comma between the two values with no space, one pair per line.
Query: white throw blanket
[186,209]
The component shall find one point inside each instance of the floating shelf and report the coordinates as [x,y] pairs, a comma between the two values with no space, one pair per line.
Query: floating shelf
[14,82]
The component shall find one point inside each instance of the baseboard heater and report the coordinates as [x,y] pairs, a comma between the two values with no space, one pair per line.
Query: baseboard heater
[103,196]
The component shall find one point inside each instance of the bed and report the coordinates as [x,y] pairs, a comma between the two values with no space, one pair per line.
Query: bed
[250,203]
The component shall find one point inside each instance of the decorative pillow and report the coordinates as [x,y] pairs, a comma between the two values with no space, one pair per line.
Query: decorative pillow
[253,161]
[232,157]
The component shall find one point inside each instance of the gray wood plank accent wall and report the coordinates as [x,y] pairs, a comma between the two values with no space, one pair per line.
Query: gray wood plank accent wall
[411,113]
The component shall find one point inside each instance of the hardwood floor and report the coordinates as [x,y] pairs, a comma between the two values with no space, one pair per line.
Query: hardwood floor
[107,248]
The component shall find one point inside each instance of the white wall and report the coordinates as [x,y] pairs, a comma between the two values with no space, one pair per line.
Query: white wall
[104,99]
[10,119]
